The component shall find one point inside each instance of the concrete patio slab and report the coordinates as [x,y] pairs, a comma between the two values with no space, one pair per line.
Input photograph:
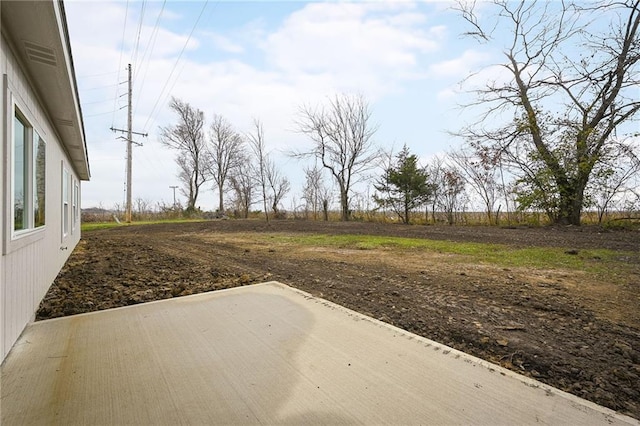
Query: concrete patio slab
[262,354]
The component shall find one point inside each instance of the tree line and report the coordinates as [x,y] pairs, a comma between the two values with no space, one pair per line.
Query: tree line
[548,138]
[234,162]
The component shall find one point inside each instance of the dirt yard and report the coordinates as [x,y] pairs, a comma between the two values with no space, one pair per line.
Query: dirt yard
[565,328]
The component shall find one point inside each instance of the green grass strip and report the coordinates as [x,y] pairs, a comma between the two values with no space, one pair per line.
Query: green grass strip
[592,260]
[93,226]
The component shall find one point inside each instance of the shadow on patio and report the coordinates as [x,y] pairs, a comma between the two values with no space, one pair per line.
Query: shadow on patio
[266,354]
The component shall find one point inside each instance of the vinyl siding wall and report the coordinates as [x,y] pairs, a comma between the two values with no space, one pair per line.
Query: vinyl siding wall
[30,262]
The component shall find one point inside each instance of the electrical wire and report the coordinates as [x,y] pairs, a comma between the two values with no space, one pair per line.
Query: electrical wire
[96,102]
[96,115]
[135,50]
[97,75]
[149,49]
[175,65]
[124,27]
[101,87]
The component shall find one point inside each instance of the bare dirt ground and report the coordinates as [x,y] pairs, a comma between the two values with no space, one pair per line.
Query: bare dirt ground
[565,328]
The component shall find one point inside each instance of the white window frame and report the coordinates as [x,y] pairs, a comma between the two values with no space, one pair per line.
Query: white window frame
[31,137]
[16,240]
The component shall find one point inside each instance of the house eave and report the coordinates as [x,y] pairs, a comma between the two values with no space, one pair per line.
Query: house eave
[38,32]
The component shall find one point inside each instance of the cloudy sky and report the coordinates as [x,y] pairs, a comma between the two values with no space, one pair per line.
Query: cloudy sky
[262,59]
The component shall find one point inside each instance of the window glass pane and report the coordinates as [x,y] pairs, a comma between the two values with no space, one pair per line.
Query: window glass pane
[19,176]
[39,148]
[65,201]
[74,202]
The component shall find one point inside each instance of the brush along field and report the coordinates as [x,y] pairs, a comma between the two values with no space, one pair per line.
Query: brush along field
[561,305]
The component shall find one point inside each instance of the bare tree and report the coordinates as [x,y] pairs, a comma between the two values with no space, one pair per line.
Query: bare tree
[169,210]
[570,87]
[479,169]
[435,171]
[315,194]
[279,186]
[187,137]
[452,199]
[342,134]
[613,177]
[258,146]
[243,184]
[225,147]
[142,206]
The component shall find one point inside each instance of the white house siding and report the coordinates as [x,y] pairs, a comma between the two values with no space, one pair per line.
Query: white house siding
[3,66]
[29,263]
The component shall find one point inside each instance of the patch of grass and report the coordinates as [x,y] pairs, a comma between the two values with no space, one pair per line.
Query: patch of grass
[630,224]
[599,261]
[92,226]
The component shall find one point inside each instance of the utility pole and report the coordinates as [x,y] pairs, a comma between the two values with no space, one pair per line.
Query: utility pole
[130,141]
[174,195]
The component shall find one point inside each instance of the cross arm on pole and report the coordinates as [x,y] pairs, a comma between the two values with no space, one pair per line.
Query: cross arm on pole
[126,131]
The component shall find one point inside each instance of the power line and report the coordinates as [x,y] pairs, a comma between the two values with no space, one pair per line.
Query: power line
[98,75]
[135,50]
[152,42]
[150,48]
[124,27]
[152,118]
[175,65]
[96,115]
[96,102]
[101,87]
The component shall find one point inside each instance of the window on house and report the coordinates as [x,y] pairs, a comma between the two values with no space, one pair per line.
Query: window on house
[20,177]
[65,202]
[74,214]
[40,164]
[28,173]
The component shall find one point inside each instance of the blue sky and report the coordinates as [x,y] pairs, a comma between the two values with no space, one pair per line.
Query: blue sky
[264,59]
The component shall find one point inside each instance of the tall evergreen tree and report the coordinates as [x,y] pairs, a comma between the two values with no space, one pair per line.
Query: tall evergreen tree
[404,186]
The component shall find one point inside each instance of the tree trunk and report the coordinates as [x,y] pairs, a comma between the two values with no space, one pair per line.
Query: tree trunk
[196,190]
[489,214]
[344,203]
[220,199]
[191,202]
[405,219]
[570,209]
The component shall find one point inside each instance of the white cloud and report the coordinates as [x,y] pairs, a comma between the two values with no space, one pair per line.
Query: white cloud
[223,43]
[447,94]
[461,66]
[352,42]
[491,75]
[320,49]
